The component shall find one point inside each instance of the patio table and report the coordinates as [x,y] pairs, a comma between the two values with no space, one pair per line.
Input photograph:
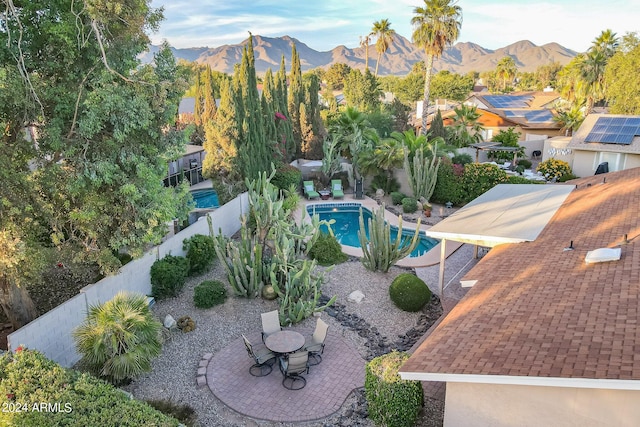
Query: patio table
[284,342]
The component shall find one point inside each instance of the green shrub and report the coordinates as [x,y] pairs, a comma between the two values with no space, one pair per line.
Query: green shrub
[409,205]
[327,251]
[396,197]
[201,252]
[524,162]
[28,377]
[209,293]
[449,184]
[168,276]
[567,177]
[285,176]
[514,179]
[388,184]
[409,293]
[461,159]
[520,169]
[182,412]
[118,339]
[554,168]
[478,178]
[392,401]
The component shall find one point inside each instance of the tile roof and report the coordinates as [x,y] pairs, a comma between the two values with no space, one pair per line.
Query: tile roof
[538,311]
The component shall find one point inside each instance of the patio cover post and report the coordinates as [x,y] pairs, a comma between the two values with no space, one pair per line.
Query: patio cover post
[443,253]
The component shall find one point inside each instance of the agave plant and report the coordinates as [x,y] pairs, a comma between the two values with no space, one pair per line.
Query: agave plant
[119,338]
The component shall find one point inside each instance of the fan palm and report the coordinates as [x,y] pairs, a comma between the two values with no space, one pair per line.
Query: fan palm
[120,337]
[384,37]
[506,69]
[436,26]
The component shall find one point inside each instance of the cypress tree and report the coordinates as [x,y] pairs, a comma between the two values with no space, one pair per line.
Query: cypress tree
[285,128]
[209,99]
[197,107]
[296,97]
[268,109]
[222,136]
[437,127]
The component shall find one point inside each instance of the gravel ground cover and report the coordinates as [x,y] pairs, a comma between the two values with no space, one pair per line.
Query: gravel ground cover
[174,372]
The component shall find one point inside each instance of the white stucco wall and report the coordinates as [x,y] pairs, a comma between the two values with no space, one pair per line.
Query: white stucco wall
[489,405]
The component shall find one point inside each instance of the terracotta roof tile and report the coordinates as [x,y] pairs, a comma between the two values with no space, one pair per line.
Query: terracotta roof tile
[537,310]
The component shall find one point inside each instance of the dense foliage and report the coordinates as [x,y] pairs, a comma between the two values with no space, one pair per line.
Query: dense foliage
[409,293]
[396,197]
[409,205]
[553,168]
[449,184]
[28,378]
[392,401]
[119,338]
[209,293]
[327,251]
[478,178]
[286,176]
[201,253]
[168,276]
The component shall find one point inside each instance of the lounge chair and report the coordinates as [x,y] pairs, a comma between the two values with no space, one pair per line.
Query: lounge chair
[310,190]
[315,343]
[263,357]
[270,323]
[292,367]
[336,189]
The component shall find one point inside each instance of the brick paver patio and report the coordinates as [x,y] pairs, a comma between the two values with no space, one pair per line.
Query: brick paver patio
[328,384]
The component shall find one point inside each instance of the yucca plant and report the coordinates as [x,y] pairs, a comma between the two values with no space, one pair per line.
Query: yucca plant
[119,338]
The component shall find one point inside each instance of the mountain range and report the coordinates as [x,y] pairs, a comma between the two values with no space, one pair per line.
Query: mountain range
[398,60]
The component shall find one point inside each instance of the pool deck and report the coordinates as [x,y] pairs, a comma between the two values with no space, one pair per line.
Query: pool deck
[430,258]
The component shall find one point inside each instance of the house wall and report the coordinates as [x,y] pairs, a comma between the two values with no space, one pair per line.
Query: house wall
[52,333]
[585,163]
[557,148]
[490,405]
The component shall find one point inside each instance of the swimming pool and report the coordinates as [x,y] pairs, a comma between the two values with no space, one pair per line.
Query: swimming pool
[206,198]
[347,216]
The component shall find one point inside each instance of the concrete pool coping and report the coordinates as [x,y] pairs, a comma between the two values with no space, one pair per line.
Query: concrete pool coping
[430,258]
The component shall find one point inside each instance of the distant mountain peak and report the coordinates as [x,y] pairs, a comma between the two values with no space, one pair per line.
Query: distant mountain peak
[461,58]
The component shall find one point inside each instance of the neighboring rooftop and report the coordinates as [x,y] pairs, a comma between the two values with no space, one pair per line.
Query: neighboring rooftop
[597,130]
[538,314]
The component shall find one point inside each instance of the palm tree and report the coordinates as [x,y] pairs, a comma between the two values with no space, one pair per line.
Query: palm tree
[355,135]
[466,129]
[436,26]
[506,69]
[384,37]
[570,120]
[606,42]
[364,42]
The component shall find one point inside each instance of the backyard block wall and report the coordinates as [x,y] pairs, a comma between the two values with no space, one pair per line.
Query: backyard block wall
[52,333]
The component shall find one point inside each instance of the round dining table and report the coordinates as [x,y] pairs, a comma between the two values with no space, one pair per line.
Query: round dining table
[284,342]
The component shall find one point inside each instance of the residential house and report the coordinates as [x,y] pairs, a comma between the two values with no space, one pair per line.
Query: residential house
[611,140]
[543,337]
[188,166]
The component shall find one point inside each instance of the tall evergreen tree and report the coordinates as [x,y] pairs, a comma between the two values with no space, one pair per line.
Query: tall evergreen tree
[209,98]
[222,136]
[437,127]
[197,107]
[269,99]
[296,97]
[286,139]
[255,155]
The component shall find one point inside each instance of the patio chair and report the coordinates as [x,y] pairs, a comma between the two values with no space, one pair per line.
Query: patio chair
[270,323]
[263,357]
[310,190]
[336,189]
[315,343]
[292,367]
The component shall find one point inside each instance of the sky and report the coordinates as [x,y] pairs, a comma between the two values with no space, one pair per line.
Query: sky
[325,24]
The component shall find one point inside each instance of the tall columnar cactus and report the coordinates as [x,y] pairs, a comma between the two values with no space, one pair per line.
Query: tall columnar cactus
[423,174]
[379,253]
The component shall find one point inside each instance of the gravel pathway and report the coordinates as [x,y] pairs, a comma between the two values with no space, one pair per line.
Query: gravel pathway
[374,326]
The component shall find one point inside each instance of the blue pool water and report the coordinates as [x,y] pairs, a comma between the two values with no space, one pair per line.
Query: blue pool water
[347,216]
[205,198]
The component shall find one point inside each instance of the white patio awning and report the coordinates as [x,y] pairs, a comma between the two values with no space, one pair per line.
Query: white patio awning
[508,213]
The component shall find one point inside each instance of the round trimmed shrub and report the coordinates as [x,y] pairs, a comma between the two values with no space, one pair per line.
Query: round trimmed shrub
[168,276]
[525,162]
[554,168]
[409,293]
[327,251]
[209,293]
[392,401]
[201,251]
[409,205]
[396,197]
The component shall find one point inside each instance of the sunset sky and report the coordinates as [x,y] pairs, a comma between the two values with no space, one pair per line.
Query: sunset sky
[323,25]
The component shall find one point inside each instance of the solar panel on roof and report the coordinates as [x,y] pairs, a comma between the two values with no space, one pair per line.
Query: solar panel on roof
[614,130]
[539,116]
[508,101]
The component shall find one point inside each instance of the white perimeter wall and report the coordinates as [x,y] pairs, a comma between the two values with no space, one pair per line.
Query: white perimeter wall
[51,333]
[484,405]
